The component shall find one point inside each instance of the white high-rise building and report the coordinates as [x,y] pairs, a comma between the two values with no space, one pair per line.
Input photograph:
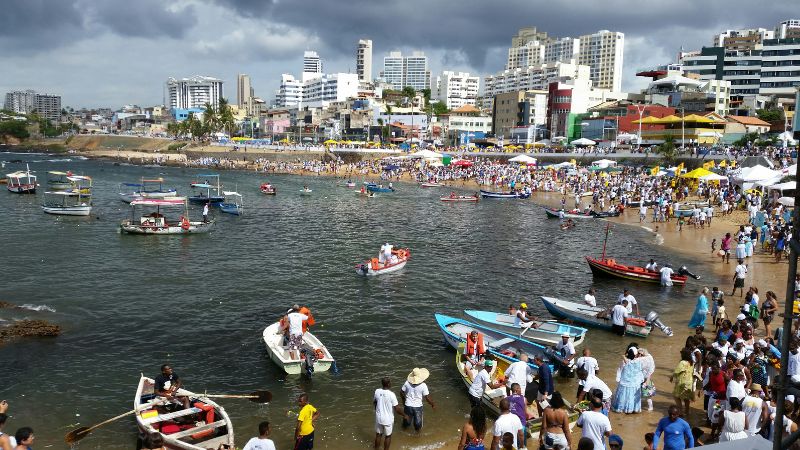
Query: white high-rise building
[335,87]
[401,71]
[533,77]
[788,29]
[562,50]
[312,65]
[364,60]
[290,92]
[529,54]
[192,92]
[47,106]
[602,52]
[455,89]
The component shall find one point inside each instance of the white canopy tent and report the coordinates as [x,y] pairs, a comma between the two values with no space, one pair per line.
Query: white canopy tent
[583,141]
[714,177]
[603,163]
[787,201]
[767,183]
[757,173]
[525,159]
[787,186]
[791,170]
[426,154]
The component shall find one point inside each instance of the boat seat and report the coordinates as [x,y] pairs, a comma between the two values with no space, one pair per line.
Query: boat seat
[501,342]
[191,431]
[170,416]
[504,318]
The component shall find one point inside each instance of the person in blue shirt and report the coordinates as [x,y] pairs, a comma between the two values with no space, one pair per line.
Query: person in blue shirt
[545,382]
[677,432]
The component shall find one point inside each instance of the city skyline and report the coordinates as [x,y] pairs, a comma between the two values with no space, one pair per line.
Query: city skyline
[113,53]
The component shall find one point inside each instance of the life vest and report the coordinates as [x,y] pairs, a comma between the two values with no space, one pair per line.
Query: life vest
[319,354]
[471,345]
[374,263]
[637,322]
[209,410]
[185,223]
[308,322]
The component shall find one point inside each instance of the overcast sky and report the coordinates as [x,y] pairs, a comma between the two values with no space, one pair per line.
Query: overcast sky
[106,53]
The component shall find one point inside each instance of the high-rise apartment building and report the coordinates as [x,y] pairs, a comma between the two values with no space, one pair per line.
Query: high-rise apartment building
[289,93]
[244,93]
[742,40]
[312,65]
[47,106]
[788,29]
[364,60]
[455,89]
[193,92]
[533,77]
[401,71]
[602,52]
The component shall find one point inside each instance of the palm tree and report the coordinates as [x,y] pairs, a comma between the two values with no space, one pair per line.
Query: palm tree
[210,119]
[226,119]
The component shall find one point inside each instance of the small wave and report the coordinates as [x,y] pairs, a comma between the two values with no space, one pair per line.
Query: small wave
[37,307]
[432,446]
[53,160]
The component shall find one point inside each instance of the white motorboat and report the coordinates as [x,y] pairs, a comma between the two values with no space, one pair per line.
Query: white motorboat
[156,223]
[374,267]
[279,353]
[21,182]
[66,203]
[202,426]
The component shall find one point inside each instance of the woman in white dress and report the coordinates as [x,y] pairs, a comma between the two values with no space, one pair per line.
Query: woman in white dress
[648,368]
[733,422]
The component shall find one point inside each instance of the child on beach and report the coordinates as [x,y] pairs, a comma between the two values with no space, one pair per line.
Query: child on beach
[648,439]
[721,316]
[713,246]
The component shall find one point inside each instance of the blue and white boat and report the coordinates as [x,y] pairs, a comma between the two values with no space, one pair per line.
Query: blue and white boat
[512,194]
[597,317]
[498,344]
[372,187]
[152,188]
[233,203]
[209,191]
[546,333]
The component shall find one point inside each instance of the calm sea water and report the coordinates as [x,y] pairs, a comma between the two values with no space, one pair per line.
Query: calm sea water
[127,304]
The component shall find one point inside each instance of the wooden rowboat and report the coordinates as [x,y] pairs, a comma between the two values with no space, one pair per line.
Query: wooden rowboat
[279,353]
[610,267]
[547,333]
[460,198]
[430,185]
[204,425]
[267,189]
[516,194]
[594,316]
[491,397]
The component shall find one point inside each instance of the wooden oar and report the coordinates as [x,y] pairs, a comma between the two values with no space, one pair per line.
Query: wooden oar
[255,397]
[81,432]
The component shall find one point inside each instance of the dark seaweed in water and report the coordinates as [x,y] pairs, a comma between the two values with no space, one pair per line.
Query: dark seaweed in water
[28,328]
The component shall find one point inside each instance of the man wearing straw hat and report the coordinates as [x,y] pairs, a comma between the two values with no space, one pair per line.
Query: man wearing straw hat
[414,390]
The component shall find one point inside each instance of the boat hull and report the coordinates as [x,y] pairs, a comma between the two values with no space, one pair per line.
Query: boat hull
[230,208]
[379,189]
[194,228]
[21,188]
[554,214]
[548,333]
[467,199]
[587,315]
[273,339]
[490,194]
[633,273]
[367,268]
[201,199]
[68,210]
[430,185]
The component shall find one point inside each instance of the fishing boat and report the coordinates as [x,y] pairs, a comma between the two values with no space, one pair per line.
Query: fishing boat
[305,191]
[147,188]
[379,188]
[430,184]
[202,426]
[686,209]
[156,223]
[373,267]
[546,332]
[67,203]
[350,184]
[58,181]
[279,351]
[598,317]
[267,189]
[460,198]
[604,266]
[498,344]
[365,193]
[21,182]
[233,203]
[209,191]
[513,194]
[491,397]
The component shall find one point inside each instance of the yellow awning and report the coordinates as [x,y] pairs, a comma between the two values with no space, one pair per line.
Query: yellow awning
[647,120]
[697,173]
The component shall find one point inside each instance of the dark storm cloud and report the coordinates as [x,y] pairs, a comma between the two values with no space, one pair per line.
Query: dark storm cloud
[42,25]
[475,26]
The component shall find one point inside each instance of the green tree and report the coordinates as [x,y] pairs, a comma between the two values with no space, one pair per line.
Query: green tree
[194,126]
[15,128]
[210,119]
[427,94]
[770,114]
[440,108]
[667,149]
[409,92]
[226,119]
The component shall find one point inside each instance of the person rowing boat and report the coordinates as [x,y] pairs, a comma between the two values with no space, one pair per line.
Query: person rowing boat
[523,320]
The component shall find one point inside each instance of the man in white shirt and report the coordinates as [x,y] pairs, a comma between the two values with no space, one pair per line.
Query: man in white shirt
[519,372]
[262,442]
[480,380]
[387,253]
[565,349]
[589,298]
[755,409]
[738,278]
[385,408]
[588,363]
[382,254]
[618,315]
[295,319]
[666,275]
[735,388]
[414,390]
[793,368]
[651,266]
[590,384]
[632,306]
[595,425]
[507,422]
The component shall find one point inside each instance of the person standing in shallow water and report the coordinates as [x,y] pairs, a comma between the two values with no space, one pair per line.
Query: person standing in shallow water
[700,310]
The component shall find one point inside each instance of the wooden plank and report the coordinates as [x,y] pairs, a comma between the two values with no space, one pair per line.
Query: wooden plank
[191,431]
[170,416]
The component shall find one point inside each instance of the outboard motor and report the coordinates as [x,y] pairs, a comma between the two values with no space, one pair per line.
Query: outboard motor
[685,272]
[309,358]
[363,268]
[653,319]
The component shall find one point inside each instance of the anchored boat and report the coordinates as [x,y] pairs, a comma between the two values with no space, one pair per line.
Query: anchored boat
[316,354]
[233,203]
[156,223]
[74,202]
[21,182]
[597,317]
[375,267]
[547,333]
[209,191]
[148,188]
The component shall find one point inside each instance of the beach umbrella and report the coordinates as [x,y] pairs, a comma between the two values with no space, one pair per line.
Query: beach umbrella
[697,173]
[524,159]
[462,163]
[583,141]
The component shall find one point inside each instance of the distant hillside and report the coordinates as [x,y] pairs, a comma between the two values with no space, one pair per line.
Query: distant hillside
[95,142]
